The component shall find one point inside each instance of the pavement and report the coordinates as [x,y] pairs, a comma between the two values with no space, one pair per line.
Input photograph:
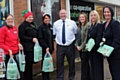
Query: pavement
[107,75]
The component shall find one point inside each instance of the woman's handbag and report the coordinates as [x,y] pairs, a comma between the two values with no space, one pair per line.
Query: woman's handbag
[105,49]
[90,44]
[48,63]
[21,57]
[37,52]
[12,70]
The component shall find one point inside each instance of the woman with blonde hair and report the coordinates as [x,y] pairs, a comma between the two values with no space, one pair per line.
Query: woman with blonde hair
[96,59]
[81,36]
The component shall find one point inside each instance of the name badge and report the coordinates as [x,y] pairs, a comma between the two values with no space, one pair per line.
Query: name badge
[103,39]
[15,32]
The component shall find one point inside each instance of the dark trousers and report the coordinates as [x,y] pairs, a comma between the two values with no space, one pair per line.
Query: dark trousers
[114,66]
[69,52]
[80,54]
[97,70]
[6,61]
[27,75]
[85,66]
[45,75]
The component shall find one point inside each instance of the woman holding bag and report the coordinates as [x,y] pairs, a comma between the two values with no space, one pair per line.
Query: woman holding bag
[9,40]
[45,39]
[96,59]
[28,38]
[111,37]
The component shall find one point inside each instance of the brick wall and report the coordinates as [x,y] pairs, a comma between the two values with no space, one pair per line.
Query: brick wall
[19,6]
[63,4]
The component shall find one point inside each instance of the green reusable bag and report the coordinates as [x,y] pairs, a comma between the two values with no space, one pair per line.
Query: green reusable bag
[37,52]
[48,63]
[90,44]
[105,50]
[12,70]
[21,61]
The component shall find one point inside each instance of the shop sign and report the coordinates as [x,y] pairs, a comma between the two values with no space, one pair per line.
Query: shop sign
[76,7]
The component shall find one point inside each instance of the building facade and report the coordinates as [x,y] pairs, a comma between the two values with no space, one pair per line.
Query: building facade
[73,7]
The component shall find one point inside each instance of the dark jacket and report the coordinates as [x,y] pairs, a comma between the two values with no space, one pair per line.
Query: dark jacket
[95,32]
[27,31]
[45,37]
[112,36]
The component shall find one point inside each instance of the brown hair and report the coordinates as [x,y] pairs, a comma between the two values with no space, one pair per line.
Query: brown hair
[86,19]
[8,15]
[111,10]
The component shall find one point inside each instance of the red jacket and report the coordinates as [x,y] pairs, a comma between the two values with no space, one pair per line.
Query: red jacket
[9,39]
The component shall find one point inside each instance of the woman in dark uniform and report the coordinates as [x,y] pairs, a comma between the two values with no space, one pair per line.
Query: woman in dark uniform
[28,37]
[45,39]
[111,35]
[96,59]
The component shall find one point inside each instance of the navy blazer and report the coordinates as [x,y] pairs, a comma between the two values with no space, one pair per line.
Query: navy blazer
[112,36]
[95,32]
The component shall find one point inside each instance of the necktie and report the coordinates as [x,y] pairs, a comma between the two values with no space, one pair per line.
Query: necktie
[63,33]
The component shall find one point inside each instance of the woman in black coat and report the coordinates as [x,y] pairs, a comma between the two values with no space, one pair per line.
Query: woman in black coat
[28,37]
[96,59]
[111,35]
[45,39]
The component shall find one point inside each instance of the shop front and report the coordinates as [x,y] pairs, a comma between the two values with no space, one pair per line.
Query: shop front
[115,4]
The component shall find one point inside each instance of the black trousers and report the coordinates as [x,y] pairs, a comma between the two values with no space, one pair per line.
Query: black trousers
[114,66]
[6,61]
[97,70]
[69,52]
[80,54]
[85,66]
[45,75]
[27,75]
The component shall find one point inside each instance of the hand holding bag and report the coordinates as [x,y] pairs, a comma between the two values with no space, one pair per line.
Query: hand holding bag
[37,52]
[105,49]
[12,70]
[48,63]
[90,44]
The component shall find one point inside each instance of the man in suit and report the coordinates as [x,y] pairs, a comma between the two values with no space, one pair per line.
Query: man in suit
[64,30]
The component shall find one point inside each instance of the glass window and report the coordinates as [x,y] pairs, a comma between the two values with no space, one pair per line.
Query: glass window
[118,14]
[40,7]
[77,7]
[4,10]
[99,9]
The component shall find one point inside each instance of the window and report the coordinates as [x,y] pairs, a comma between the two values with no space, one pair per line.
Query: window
[118,13]
[40,7]
[4,10]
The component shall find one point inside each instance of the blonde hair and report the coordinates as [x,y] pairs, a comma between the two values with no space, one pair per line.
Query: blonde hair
[96,13]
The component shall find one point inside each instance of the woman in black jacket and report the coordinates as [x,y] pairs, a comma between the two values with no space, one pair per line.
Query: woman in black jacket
[111,36]
[96,59]
[28,37]
[45,39]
